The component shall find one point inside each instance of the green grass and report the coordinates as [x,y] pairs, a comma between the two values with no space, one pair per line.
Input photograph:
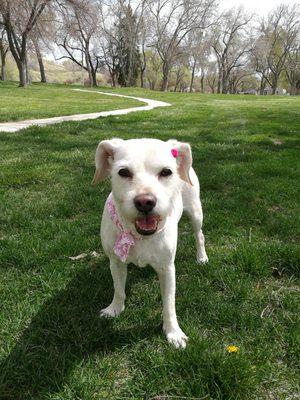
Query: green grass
[53,345]
[40,101]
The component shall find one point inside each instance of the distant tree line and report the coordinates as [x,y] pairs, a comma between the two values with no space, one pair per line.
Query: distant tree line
[160,44]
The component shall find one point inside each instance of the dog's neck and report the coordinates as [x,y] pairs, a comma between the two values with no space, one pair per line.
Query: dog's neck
[114,215]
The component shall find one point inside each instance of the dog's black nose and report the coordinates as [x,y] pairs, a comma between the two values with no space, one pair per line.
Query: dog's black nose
[145,202]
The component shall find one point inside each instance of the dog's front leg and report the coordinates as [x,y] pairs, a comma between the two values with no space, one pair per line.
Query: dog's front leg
[119,275]
[170,325]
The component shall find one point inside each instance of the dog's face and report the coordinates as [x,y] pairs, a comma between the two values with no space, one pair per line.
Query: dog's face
[146,176]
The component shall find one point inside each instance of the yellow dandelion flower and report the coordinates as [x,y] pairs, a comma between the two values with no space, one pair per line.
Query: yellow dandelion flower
[232,349]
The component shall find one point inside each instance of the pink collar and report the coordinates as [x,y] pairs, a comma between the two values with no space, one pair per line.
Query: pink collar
[125,239]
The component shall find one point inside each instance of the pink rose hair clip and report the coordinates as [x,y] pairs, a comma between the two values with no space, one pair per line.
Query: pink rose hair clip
[175,153]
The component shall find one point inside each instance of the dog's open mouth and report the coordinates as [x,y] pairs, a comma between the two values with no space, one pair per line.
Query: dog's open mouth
[147,225]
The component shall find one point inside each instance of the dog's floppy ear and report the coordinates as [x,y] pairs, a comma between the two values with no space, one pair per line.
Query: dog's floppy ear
[183,154]
[103,159]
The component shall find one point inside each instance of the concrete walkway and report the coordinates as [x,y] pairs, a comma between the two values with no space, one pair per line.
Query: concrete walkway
[151,104]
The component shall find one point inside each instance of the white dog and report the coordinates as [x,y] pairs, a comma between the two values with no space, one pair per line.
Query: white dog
[152,183]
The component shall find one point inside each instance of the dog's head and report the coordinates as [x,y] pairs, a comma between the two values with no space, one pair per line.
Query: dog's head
[146,176]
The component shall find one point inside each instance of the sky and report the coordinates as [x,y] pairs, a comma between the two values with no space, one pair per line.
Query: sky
[261,7]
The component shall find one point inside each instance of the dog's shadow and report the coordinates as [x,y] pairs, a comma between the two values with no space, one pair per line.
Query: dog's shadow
[66,330]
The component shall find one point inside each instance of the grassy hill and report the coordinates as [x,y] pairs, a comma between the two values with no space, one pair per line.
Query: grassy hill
[56,72]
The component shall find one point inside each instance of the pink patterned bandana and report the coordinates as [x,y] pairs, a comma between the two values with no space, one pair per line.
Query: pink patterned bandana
[125,239]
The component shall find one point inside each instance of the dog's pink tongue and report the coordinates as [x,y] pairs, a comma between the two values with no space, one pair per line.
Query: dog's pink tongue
[148,223]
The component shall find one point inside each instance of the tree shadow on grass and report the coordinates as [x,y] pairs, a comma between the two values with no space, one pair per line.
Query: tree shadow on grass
[66,330]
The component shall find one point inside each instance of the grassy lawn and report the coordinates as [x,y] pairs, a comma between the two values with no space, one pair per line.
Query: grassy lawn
[39,101]
[53,345]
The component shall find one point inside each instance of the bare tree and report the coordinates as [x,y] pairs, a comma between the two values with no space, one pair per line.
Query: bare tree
[173,20]
[19,18]
[276,39]
[199,52]
[230,43]
[77,35]
[4,48]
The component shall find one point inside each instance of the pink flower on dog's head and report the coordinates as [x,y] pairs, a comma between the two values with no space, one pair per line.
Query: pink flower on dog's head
[175,153]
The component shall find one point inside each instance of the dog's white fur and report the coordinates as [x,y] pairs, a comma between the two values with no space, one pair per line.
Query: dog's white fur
[145,158]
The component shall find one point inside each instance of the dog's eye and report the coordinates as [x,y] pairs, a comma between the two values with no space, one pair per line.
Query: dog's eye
[165,172]
[125,173]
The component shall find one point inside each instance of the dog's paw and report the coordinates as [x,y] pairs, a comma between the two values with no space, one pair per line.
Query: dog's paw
[111,311]
[177,339]
[202,259]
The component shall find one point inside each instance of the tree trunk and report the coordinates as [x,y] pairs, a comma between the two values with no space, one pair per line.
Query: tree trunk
[87,61]
[274,84]
[113,79]
[22,73]
[202,84]
[20,59]
[262,86]
[224,83]
[41,63]
[94,78]
[219,89]
[164,85]
[193,76]
[90,77]
[143,66]
[3,53]
[27,70]
[112,73]
[2,75]
[3,60]
[143,69]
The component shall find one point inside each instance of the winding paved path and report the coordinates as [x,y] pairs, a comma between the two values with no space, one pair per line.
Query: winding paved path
[15,126]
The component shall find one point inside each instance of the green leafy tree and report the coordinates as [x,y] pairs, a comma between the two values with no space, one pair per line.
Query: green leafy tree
[127,48]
